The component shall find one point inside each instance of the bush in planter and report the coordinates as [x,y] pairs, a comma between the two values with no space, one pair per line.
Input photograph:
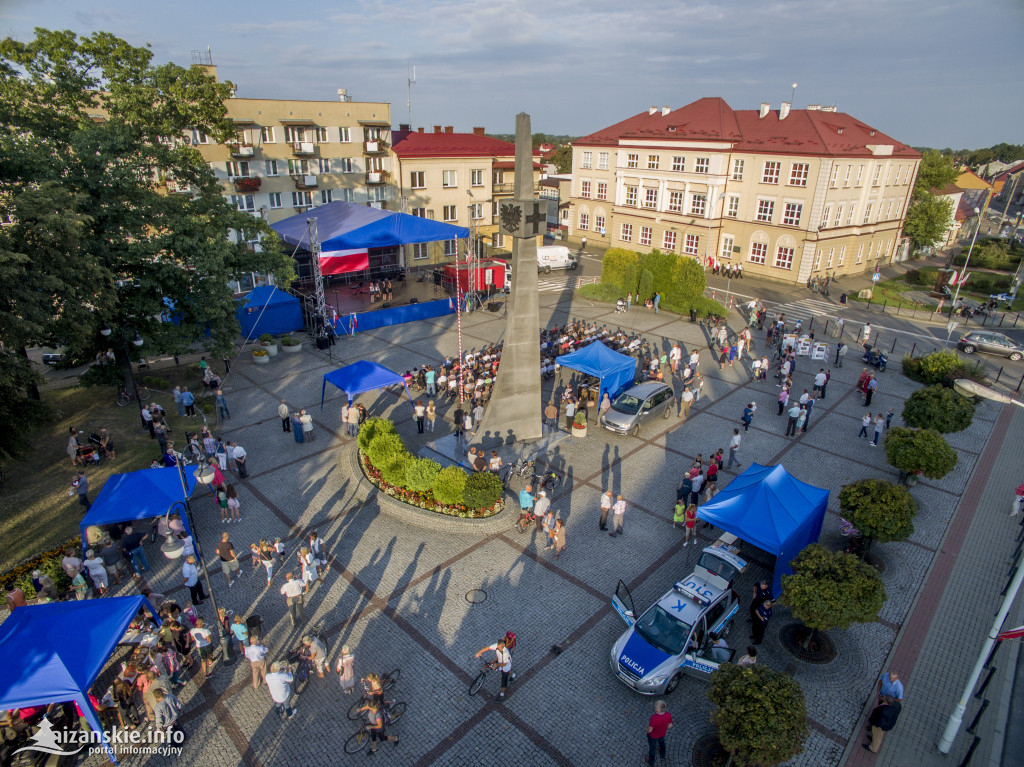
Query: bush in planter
[259,352]
[919,451]
[395,470]
[384,449]
[266,338]
[373,428]
[289,341]
[482,490]
[880,510]
[941,367]
[580,419]
[830,590]
[939,408]
[421,473]
[449,485]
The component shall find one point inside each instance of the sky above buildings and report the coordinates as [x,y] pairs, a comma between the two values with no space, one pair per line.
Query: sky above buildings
[927,72]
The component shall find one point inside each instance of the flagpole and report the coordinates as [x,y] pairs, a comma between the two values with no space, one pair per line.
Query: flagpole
[458,315]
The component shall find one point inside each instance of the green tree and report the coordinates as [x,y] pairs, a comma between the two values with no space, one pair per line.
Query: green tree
[645,289]
[482,490]
[19,414]
[562,159]
[662,268]
[928,219]
[371,429]
[620,268]
[919,451]
[939,408]
[421,474]
[688,282]
[449,484]
[935,171]
[941,367]
[760,714]
[830,590]
[880,510]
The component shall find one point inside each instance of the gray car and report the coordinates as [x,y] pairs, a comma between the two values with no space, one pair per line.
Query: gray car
[991,342]
[638,405]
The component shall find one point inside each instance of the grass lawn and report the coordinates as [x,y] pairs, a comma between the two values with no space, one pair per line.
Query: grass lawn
[890,292]
[36,513]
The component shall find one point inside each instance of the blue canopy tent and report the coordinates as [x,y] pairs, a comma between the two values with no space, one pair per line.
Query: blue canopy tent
[143,494]
[361,376]
[347,231]
[55,652]
[267,309]
[771,509]
[615,370]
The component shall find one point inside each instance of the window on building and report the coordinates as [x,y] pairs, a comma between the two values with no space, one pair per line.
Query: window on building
[598,224]
[372,134]
[602,190]
[733,209]
[325,164]
[602,161]
[791,214]
[584,222]
[784,258]
[675,202]
[377,193]
[758,252]
[420,251]
[342,164]
[449,179]
[293,133]
[586,159]
[860,252]
[631,192]
[275,200]
[867,213]
[302,199]
[645,235]
[888,210]
[267,135]
[860,174]
[272,169]
[679,163]
[702,165]
[831,255]
[320,135]
[298,167]
[450,213]
[691,245]
[246,202]
[344,135]
[798,174]
[326,196]
[826,214]
[737,170]
[888,175]
[476,211]
[877,175]
[632,161]
[842,255]
[652,162]
[650,197]
[476,177]
[727,243]
[238,169]
[346,195]
[416,180]
[839,216]
[770,174]
[584,189]
[846,178]
[817,260]
[499,239]
[834,178]
[669,241]
[198,137]
[765,210]
[626,232]
[451,247]
[498,177]
[419,212]
[851,213]
[698,203]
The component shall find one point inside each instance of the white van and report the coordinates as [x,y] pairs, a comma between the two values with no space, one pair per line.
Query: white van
[554,257]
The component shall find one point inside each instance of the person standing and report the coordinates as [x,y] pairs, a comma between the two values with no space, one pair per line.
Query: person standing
[570,413]
[685,403]
[794,414]
[558,537]
[420,414]
[761,618]
[890,684]
[690,520]
[353,421]
[166,709]
[748,415]
[607,501]
[131,545]
[865,334]
[228,559]
[618,515]
[204,645]
[869,389]
[551,417]
[222,406]
[865,422]
[256,654]
[81,484]
[239,454]
[190,578]
[279,682]
[178,402]
[808,407]
[346,670]
[879,428]
[883,718]
[783,400]
[293,592]
[286,417]
[657,727]
[837,329]
[1018,500]
[459,423]
[840,353]
[734,448]
[675,356]
[431,414]
[541,508]
[188,399]
[819,383]
[762,592]
[750,659]
[306,420]
[503,660]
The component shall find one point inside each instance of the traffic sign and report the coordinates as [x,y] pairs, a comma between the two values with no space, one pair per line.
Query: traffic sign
[876,277]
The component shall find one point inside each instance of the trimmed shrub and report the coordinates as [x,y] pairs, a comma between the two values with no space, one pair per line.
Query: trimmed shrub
[384,449]
[396,468]
[939,408]
[830,590]
[421,473]
[662,268]
[266,338]
[206,407]
[941,367]
[156,382]
[598,291]
[881,510]
[646,287]
[919,451]
[194,370]
[290,341]
[371,429]
[449,485]
[102,375]
[704,306]
[482,490]
[620,268]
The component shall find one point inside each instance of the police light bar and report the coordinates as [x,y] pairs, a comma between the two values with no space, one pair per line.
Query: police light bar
[693,593]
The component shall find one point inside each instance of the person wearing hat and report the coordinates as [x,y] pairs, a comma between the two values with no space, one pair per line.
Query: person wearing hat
[540,508]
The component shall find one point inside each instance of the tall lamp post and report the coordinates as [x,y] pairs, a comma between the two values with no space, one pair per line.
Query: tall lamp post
[137,342]
[977,211]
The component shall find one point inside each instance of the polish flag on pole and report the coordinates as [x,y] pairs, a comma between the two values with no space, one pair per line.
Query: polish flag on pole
[1017,633]
[451,305]
[353,323]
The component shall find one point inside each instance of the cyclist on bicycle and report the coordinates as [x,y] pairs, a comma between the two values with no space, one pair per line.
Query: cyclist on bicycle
[373,690]
[375,723]
[502,660]
[526,502]
[314,649]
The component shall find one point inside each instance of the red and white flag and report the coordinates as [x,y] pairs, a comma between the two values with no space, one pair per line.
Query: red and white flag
[344,261]
[353,323]
[451,306]
[1017,633]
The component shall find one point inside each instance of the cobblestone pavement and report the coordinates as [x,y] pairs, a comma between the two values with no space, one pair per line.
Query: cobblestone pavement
[396,594]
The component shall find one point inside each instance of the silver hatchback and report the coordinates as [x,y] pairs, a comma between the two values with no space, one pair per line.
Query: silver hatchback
[638,405]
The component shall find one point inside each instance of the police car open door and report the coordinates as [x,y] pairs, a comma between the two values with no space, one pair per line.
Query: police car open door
[703,657]
[623,603]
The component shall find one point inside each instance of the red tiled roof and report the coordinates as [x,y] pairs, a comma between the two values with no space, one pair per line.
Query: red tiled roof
[416,144]
[510,165]
[1006,173]
[712,119]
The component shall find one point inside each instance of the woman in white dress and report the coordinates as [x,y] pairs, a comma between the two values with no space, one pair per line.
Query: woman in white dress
[309,575]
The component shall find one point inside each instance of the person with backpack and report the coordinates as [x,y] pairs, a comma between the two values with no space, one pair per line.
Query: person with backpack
[502,661]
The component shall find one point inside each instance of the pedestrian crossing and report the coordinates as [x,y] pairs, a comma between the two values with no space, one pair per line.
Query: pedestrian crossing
[555,285]
[809,307]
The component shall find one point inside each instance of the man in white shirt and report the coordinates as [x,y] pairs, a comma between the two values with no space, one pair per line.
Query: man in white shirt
[606,506]
[819,382]
[503,661]
[256,654]
[279,682]
[540,508]
[618,514]
[293,593]
[734,449]
[286,417]
[674,356]
[240,460]
[204,645]
[694,359]
[190,578]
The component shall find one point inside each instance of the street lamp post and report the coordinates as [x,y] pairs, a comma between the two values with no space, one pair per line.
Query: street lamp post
[966,262]
[137,342]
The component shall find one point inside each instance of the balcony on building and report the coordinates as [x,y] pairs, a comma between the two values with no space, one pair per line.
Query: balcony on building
[247,184]
[178,187]
[303,148]
[303,181]
[378,204]
[509,188]
[376,177]
[376,146]
[242,150]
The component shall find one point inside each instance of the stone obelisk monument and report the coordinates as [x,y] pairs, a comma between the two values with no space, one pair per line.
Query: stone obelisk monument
[515,406]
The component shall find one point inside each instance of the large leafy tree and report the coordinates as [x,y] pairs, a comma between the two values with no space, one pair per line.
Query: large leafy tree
[939,408]
[830,590]
[91,131]
[919,451]
[880,510]
[929,216]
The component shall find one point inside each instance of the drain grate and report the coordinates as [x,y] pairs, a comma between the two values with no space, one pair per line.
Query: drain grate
[476,596]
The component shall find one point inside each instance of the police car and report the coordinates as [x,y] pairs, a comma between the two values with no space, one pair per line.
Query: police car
[672,637]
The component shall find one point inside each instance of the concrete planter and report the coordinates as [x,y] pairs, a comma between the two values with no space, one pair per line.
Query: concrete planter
[578,431]
[271,349]
[263,359]
[291,349]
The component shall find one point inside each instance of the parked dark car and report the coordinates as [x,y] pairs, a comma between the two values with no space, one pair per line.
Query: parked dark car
[991,342]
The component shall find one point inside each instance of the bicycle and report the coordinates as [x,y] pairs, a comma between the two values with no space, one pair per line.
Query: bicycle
[387,681]
[525,521]
[489,666]
[548,481]
[124,396]
[360,739]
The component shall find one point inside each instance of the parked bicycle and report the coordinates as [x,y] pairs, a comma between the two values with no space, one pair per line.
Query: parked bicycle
[518,470]
[299,660]
[548,480]
[125,396]
[360,739]
[387,681]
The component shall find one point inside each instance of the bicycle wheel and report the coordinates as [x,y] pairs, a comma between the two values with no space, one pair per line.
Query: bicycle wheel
[353,710]
[144,393]
[123,398]
[477,683]
[395,712]
[390,679]
[357,742]
[522,524]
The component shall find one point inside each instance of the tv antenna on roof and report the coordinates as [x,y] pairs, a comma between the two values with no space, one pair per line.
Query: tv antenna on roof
[411,80]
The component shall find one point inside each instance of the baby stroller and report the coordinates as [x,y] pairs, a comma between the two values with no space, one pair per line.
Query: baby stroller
[620,306]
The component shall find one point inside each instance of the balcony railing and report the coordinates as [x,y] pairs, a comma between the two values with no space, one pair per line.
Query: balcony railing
[305,182]
[178,187]
[242,150]
[376,177]
[378,204]
[376,146]
[247,184]
[509,188]
[303,148]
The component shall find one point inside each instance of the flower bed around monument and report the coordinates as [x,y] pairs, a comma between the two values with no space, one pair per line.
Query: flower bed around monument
[423,500]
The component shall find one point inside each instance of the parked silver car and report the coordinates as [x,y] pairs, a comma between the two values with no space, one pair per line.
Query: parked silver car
[638,405]
[991,342]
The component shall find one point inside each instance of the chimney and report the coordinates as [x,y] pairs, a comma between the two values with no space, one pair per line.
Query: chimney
[342,94]
[437,129]
[403,126]
[652,110]
[665,110]
[784,110]
[478,131]
[449,129]
[765,106]
[420,129]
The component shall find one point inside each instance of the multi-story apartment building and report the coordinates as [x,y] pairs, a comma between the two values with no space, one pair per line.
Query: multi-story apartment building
[787,193]
[458,178]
